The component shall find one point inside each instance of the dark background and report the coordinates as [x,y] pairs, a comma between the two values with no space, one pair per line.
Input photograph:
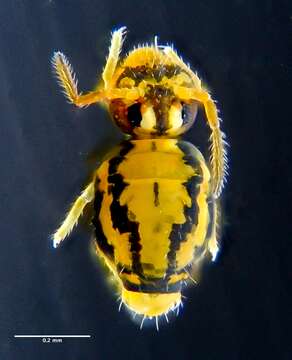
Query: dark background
[242,307]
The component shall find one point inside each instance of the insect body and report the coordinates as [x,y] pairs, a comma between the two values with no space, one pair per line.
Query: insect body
[155,198]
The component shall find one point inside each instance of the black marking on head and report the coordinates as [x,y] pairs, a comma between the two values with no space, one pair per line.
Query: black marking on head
[144,72]
[101,239]
[156,193]
[161,99]
[119,213]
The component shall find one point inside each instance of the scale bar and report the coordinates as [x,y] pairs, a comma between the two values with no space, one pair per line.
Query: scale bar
[52,336]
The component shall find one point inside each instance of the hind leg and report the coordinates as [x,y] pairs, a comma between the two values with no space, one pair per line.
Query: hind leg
[74,213]
[212,241]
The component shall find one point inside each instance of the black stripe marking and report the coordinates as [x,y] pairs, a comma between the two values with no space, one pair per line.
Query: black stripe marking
[116,185]
[189,158]
[153,146]
[180,231]
[119,213]
[156,193]
[192,161]
[101,239]
[160,286]
[115,161]
[122,269]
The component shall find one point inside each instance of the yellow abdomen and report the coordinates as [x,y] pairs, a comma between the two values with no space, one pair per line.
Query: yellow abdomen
[152,212]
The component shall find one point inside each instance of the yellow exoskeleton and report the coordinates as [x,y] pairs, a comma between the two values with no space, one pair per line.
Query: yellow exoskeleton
[155,198]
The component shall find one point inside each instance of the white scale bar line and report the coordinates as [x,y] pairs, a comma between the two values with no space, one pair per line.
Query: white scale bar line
[52,336]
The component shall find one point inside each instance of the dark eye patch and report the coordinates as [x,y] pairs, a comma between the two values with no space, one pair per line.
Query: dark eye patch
[184,112]
[134,114]
[189,112]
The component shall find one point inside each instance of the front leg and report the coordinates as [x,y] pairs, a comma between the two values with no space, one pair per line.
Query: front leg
[67,80]
[75,212]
